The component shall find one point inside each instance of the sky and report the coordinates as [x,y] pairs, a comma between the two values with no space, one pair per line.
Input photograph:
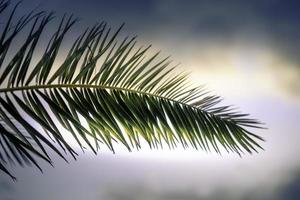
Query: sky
[245,51]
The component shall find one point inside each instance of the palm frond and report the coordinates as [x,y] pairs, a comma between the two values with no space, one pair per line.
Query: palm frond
[124,95]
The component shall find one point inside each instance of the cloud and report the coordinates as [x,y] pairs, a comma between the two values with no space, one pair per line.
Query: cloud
[286,189]
[137,192]
[263,33]
[6,188]
[140,191]
[209,36]
[291,189]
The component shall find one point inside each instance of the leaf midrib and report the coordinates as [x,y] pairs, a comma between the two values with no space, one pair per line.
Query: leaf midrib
[49,86]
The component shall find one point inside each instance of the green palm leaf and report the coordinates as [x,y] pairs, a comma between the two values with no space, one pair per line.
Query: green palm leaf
[123,95]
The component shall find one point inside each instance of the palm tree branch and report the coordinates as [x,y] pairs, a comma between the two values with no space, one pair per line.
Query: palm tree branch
[120,92]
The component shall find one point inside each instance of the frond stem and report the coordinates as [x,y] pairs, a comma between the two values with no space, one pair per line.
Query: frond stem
[49,86]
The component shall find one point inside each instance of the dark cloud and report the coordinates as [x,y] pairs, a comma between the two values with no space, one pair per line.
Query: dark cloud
[288,190]
[6,188]
[172,25]
[141,191]
[197,16]
[272,20]
[291,190]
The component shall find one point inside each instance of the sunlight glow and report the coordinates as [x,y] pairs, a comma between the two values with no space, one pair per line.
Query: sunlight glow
[238,73]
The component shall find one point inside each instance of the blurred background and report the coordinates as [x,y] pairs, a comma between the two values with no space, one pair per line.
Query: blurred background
[245,51]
